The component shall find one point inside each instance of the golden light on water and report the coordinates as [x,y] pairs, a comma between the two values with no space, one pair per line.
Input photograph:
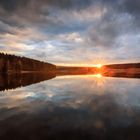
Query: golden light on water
[99,75]
[98,65]
[95,79]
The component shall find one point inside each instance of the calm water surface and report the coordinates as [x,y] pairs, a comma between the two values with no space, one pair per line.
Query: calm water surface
[72,107]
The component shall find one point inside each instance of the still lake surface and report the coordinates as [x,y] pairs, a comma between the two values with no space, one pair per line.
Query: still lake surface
[72,107]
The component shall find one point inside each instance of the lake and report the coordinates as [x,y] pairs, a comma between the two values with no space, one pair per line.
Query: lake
[70,108]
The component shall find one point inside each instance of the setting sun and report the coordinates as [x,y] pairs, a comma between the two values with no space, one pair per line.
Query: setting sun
[98,75]
[99,65]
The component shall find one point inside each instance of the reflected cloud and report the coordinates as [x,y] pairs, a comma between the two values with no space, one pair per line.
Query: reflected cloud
[89,104]
[61,106]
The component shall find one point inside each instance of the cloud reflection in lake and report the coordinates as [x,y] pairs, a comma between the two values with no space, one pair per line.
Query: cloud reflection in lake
[72,106]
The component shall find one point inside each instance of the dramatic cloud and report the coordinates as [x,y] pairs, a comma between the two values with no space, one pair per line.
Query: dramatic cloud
[71,31]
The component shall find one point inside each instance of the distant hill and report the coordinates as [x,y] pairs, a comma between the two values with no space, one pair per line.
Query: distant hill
[71,70]
[131,70]
[123,66]
[17,64]
[122,70]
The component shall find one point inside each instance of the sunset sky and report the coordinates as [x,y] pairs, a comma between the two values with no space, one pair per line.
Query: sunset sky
[71,31]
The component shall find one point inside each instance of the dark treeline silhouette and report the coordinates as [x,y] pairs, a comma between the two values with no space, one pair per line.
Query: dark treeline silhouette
[17,64]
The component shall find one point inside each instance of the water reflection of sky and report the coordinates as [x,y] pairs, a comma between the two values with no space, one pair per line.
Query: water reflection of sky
[73,103]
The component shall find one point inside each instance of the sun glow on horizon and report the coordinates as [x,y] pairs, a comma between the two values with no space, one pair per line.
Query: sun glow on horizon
[98,75]
[99,65]
[81,65]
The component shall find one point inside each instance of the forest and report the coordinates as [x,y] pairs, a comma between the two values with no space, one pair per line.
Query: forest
[17,64]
